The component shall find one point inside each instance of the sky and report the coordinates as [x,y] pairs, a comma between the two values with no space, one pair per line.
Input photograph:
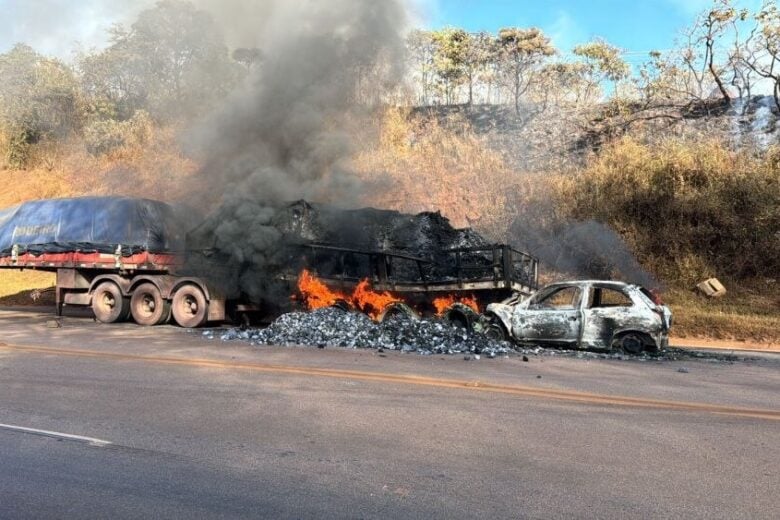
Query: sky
[60,27]
[636,26]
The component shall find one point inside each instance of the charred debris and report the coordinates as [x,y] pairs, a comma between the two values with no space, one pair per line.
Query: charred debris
[339,328]
[414,259]
[343,247]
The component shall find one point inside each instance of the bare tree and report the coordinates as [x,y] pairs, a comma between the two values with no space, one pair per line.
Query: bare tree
[420,47]
[761,49]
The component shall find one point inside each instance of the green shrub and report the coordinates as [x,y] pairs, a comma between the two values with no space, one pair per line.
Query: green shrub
[688,209]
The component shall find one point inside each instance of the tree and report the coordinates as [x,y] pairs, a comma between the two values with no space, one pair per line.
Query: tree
[113,81]
[451,53]
[420,47]
[565,82]
[601,62]
[761,50]
[715,24]
[39,99]
[699,56]
[522,51]
[479,53]
[489,72]
[173,60]
[701,62]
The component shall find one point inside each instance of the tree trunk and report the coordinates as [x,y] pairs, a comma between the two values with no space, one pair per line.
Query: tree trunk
[776,93]
[715,75]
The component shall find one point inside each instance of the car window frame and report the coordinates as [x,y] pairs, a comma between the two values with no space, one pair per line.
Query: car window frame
[537,305]
[622,290]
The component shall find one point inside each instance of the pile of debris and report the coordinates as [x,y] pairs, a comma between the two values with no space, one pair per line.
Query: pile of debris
[336,327]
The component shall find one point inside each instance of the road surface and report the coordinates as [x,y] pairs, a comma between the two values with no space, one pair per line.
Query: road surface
[127,422]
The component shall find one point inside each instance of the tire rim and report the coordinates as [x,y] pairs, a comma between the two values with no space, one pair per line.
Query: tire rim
[148,304]
[107,301]
[189,305]
[632,344]
[493,332]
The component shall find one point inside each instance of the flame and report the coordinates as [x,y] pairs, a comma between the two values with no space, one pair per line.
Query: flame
[370,302]
[317,295]
[443,303]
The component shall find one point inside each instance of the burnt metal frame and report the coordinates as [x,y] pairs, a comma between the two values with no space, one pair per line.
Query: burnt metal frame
[511,269]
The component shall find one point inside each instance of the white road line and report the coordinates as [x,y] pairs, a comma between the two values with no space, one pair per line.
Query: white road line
[57,435]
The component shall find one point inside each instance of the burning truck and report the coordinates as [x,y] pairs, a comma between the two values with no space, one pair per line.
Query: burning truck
[143,259]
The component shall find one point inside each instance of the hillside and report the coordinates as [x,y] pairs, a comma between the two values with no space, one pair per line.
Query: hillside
[663,173]
[698,206]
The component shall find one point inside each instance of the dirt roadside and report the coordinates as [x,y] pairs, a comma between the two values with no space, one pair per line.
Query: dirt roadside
[721,344]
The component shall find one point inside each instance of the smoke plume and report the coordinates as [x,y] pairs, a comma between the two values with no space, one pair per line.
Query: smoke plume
[581,248]
[280,136]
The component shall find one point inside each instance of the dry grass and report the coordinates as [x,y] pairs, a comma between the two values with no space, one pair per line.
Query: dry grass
[154,168]
[15,286]
[688,210]
[749,311]
[419,165]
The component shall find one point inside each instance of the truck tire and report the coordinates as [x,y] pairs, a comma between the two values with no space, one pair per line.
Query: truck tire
[108,304]
[461,316]
[148,306]
[190,308]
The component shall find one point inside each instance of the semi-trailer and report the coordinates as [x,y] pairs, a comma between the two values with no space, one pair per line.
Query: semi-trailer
[135,258]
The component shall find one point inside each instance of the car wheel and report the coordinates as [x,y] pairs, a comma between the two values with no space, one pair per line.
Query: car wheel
[632,343]
[494,330]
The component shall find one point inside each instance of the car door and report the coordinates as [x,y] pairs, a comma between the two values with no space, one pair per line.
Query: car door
[607,309]
[553,316]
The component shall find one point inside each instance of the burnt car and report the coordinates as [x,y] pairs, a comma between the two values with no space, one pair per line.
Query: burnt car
[590,314]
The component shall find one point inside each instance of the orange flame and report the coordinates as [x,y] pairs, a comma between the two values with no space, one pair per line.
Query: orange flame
[370,302]
[317,295]
[443,303]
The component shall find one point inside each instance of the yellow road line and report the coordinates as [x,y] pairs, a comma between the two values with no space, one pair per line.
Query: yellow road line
[518,390]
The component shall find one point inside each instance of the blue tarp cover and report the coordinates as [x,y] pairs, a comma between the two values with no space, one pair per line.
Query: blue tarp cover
[90,224]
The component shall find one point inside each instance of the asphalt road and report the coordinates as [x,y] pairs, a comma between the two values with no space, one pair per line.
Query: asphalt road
[190,428]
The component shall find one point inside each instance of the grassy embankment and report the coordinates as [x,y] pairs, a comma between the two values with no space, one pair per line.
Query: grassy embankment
[688,210]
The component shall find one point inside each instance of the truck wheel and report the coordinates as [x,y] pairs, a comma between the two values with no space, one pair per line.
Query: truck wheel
[148,306]
[108,304]
[461,316]
[190,308]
